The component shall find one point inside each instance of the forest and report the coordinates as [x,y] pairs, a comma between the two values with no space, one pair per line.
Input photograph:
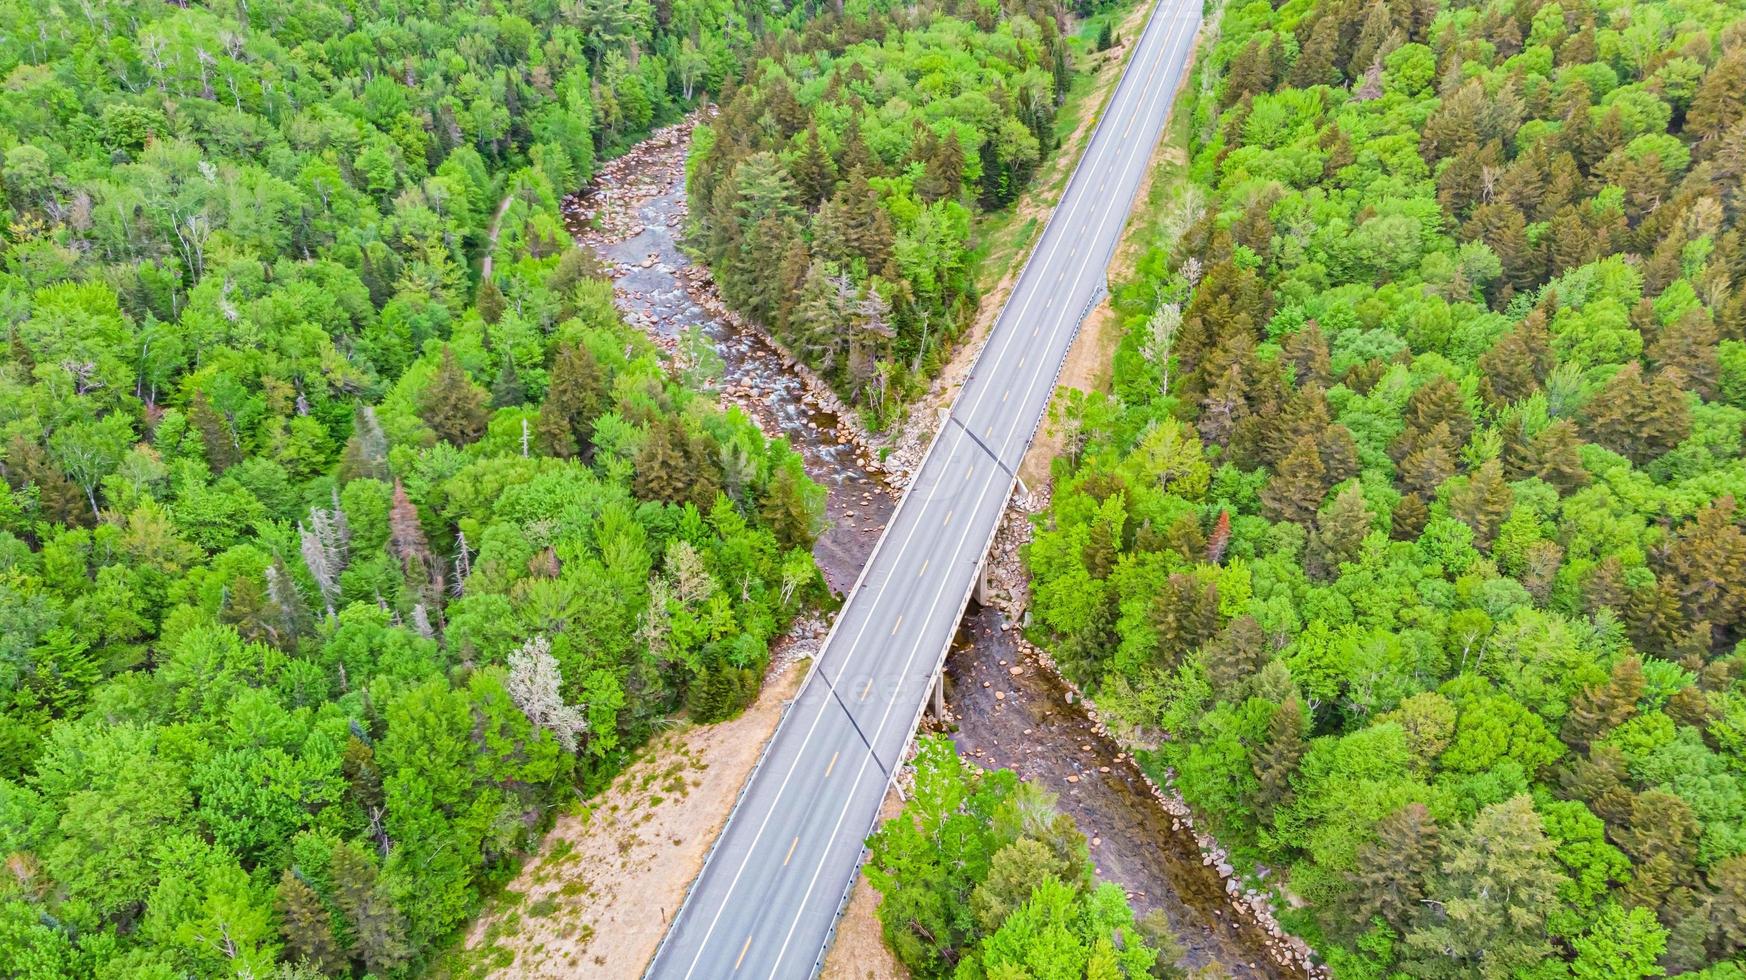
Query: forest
[331,566]
[1409,539]
[980,876]
[834,196]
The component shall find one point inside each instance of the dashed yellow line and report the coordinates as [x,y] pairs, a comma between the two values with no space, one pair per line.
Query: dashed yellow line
[742,957]
[923,570]
[833,764]
[948,519]
[791,847]
[895,625]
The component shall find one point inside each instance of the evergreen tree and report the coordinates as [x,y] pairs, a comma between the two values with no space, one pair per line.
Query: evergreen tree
[1637,419]
[1236,654]
[1408,518]
[1483,502]
[1389,879]
[1488,901]
[27,464]
[378,929]
[451,404]
[1275,760]
[574,398]
[306,926]
[507,390]
[216,436]
[1708,557]
[1183,615]
[489,302]
[1602,707]
[1297,486]
[1340,532]
[790,512]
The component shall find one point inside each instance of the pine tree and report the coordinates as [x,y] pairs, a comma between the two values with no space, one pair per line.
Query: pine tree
[27,464]
[216,437]
[1408,518]
[1600,708]
[378,929]
[1640,420]
[1183,615]
[813,171]
[452,405]
[1319,43]
[1306,350]
[306,925]
[787,510]
[1708,557]
[366,454]
[1275,759]
[675,467]
[1555,455]
[1728,880]
[1297,486]
[1496,885]
[1389,880]
[1235,655]
[1721,97]
[1483,502]
[1424,471]
[1689,344]
[490,303]
[1340,532]
[574,398]
[507,391]
[943,178]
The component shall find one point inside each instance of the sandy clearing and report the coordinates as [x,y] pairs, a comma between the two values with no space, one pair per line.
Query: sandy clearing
[597,897]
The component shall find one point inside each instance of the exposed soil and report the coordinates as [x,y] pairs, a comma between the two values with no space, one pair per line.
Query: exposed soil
[597,898]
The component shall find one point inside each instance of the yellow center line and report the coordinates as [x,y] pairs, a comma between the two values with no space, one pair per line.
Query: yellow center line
[1004,394]
[948,519]
[988,433]
[742,957]
[895,625]
[1034,330]
[968,470]
[866,689]
[790,852]
[833,764]
[1023,359]
[924,568]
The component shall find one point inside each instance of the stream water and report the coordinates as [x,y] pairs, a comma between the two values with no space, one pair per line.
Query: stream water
[1007,711]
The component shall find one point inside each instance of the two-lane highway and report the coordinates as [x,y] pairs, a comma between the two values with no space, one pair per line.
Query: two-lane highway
[766,901]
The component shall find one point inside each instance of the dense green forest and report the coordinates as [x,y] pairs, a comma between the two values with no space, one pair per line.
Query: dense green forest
[980,876]
[326,569]
[1410,535]
[833,198]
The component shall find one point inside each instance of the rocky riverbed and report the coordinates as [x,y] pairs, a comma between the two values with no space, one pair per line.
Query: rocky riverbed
[1008,707]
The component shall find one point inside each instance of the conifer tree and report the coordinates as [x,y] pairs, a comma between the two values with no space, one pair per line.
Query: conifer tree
[507,391]
[365,456]
[1389,879]
[1708,557]
[306,925]
[574,398]
[813,171]
[1340,532]
[1408,518]
[27,464]
[1297,486]
[216,437]
[1640,420]
[490,302]
[1483,502]
[452,405]
[1236,654]
[378,929]
[1275,759]
[1183,615]
[787,510]
[1600,708]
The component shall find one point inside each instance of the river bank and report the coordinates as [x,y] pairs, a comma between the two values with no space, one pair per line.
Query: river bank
[1008,709]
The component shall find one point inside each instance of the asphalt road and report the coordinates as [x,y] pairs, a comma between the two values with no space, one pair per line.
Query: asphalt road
[765,902]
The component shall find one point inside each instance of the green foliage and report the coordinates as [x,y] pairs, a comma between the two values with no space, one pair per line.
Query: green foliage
[1449,309]
[290,496]
[834,194]
[980,876]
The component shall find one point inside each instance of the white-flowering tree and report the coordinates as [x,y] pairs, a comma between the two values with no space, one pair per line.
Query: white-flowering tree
[536,686]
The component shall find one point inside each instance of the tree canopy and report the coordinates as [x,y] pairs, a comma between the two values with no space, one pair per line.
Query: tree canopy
[1409,534]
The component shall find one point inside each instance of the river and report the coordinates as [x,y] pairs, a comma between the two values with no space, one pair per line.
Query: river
[1007,711]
